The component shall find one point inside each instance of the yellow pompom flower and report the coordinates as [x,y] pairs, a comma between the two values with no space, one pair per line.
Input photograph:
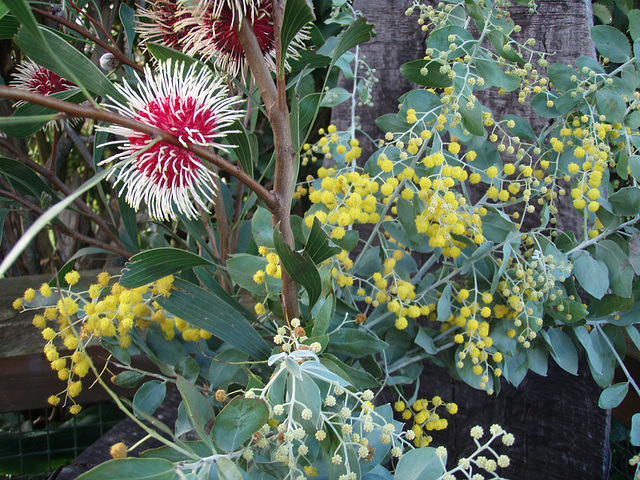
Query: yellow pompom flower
[72,277]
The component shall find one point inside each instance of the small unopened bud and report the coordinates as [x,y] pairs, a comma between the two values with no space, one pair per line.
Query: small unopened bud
[361,318]
[108,62]
[221,395]
[299,332]
[118,450]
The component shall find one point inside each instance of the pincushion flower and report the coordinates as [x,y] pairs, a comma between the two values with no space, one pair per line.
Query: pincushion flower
[37,79]
[161,23]
[194,106]
[213,32]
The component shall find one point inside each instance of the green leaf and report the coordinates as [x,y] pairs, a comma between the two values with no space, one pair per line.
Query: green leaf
[472,119]
[308,107]
[438,39]
[562,349]
[634,24]
[238,421]
[602,12]
[127,17]
[626,201]
[22,11]
[334,97]
[239,137]
[425,73]
[199,411]
[444,304]
[620,270]
[318,246]
[358,32]
[611,105]
[70,63]
[634,251]
[611,43]
[473,10]
[206,310]
[560,76]
[228,470]
[188,368]
[322,318]
[496,77]
[592,274]
[128,379]
[128,216]
[45,218]
[132,469]
[539,104]
[420,464]
[262,228]
[635,427]
[356,343]
[426,342]
[149,397]
[242,267]
[593,354]
[25,180]
[296,15]
[162,53]
[300,267]
[151,265]
[613,396]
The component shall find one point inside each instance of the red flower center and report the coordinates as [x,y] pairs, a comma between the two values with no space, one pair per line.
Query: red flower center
[226,38]
[45,82]
[167,16]
[165,164]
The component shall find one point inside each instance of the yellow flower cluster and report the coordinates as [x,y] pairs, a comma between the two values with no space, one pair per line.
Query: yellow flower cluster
[70,319]
[333,146]
[425,418]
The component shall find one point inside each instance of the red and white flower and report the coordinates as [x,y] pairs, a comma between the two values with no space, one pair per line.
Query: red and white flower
[37,79]
[194,106]
[213,32]
[161,23]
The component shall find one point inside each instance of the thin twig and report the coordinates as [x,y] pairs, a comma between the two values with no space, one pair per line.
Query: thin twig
[55,181]
[71,233]
[88,35]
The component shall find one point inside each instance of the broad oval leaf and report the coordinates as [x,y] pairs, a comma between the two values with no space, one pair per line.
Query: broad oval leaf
[611,43]
[238,421]
[356,342]
[149,397]
[425,73]
[132,469]
[592,274]
[420,464]
[562,349]
[613,396]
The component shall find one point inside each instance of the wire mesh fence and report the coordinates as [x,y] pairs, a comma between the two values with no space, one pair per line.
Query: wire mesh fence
[34,443]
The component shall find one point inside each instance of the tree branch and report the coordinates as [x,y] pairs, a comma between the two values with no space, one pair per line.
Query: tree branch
[55,181]
[275,99]
[72,110]
[88,35]
[69,232]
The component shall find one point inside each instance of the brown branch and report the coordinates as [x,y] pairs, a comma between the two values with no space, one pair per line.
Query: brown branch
[275,99]
[65,231]
[85,33]
[55,181]
[73,110]
[94,21]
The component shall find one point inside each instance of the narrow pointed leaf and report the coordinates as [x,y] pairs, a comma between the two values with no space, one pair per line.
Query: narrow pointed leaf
[297,14]
[206,310]
[151,265]
[300,266]
[318,246]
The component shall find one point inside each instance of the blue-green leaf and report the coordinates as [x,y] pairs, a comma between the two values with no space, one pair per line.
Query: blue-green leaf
[613,396]
[592,274]
[132,469]
[149,397]
[611,43]
[238,421]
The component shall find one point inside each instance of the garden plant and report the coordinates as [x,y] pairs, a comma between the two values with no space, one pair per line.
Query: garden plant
[288,287]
